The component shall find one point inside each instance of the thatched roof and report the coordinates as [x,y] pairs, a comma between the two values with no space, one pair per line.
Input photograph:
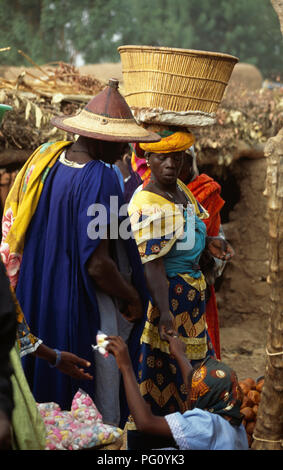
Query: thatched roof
[245,119]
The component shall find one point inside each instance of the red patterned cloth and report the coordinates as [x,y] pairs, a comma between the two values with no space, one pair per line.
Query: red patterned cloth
[207,192]
[139,164]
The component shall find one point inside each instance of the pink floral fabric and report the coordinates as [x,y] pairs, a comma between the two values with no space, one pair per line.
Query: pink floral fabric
[12,261]
[80,428]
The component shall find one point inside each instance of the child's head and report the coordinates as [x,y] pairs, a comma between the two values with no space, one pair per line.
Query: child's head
[215,388]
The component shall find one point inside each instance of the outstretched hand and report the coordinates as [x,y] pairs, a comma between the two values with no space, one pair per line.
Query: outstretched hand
[166,325]
[119,349]
[176,346]
[220,248]
[73,366]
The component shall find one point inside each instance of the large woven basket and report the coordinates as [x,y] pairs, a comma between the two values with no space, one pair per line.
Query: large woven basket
[175,79]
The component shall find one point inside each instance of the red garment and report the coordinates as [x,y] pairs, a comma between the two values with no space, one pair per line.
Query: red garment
[207,192]
[213,322]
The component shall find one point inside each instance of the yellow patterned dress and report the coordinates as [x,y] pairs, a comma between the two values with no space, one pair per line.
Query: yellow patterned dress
[158,226]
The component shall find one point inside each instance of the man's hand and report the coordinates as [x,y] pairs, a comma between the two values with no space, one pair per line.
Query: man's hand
[119,349]
[5,432]
[134,310]
[73,366]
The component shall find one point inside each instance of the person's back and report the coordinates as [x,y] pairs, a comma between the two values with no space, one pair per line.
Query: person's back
[199,429]
[213,420]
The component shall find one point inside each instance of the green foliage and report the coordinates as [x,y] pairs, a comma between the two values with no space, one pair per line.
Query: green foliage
[54,30]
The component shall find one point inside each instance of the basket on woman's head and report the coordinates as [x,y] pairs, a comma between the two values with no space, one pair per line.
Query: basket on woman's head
[181,81]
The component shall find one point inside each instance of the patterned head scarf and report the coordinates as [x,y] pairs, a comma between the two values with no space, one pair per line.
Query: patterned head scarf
[215,388]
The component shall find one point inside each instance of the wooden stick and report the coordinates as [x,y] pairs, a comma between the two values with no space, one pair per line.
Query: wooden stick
[32,62]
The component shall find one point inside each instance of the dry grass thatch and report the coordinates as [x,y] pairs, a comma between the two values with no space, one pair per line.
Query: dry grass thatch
[36,94]
[246,118]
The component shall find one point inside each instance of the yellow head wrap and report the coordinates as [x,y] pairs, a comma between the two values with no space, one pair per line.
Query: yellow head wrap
[177,142]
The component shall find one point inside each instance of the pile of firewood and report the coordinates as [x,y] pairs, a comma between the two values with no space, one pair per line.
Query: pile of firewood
[245,121]
[36,95]
[51,79]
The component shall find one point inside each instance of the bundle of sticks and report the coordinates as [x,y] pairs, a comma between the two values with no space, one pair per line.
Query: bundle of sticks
[51,79]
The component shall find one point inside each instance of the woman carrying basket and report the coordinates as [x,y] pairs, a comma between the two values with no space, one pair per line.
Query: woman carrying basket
[167,224]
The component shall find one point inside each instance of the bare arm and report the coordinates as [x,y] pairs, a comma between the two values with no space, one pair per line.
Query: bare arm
[144,420]
[69,364]
[157,283]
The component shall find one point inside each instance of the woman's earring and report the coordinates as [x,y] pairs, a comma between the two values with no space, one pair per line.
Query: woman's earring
[147,163]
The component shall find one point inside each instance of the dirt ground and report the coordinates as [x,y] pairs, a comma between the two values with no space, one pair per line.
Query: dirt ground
[243,346]
[244,296]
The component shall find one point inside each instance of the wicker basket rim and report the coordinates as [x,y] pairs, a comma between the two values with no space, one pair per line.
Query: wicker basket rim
[172,50]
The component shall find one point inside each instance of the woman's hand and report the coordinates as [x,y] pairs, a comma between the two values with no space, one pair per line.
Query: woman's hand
[119,349]
[166,325]
[220,248]
[176,346]
[73,366]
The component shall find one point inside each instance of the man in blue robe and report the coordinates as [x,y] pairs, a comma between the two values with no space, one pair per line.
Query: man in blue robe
[79,273]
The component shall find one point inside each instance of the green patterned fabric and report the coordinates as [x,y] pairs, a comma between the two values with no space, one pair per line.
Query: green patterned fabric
[215,388]
[29,432]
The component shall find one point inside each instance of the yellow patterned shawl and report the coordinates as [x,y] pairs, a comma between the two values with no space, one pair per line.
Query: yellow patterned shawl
[154,217]
[20,206]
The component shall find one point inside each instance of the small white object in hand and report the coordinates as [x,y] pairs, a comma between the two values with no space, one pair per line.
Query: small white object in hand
[101,344]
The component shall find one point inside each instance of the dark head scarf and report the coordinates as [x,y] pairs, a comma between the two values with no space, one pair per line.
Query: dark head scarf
[215,388]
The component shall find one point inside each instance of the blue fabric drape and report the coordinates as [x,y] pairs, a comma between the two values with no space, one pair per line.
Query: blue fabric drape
[54,289]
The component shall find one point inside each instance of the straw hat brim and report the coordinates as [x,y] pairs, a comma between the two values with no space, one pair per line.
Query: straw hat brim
[96,126]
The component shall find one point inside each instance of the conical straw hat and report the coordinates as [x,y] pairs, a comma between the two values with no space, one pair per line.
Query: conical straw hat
[106,117]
